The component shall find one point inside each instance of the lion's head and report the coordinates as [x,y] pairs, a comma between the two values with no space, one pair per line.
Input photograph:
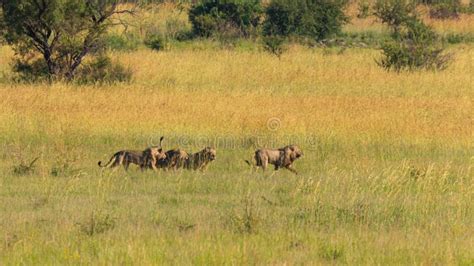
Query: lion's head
[290,154]
[209,153]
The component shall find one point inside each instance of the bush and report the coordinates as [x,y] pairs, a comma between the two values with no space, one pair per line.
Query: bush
[25,168]
[274,45]
[102,70]
[30,70]
[317,19]
[213,17]
[413,44]
[122,42]
[2,28]
[97,223]
[445,9]
[176,29]
[363,9]
[155,42]
[399,56]
[393,12]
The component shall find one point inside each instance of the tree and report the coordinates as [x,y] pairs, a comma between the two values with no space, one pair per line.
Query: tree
[57,34]
[394,12]
[229,17]
[317,19]
[413,44]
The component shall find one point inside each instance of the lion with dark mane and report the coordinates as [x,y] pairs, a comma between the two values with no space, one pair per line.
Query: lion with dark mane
[280,158]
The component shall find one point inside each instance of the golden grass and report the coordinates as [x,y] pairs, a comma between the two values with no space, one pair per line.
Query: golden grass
[465,23]
[386,177]
[239,91]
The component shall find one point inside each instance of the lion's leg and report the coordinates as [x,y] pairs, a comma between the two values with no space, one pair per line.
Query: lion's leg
[264,165]
[117,161]
[176,165]
[143,165]
[204,167]
[179,164]
[153,164]
[173,164]
[125,162]
[291,169]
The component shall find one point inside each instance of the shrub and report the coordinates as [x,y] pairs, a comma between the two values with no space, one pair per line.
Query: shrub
[30,70]
[393,12]
[213,17]
[413,44]
[445,9]
[316,19]
[245,220]
[363,9]
[331,252]
[274,45]
[176,29]
[122,42]
[97,223]
[25,168]
[102,70]
[155,42]
[2,28]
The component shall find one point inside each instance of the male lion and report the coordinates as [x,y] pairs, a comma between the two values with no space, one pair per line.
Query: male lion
[280,158]
[200,160]
[175,159]
[145,159]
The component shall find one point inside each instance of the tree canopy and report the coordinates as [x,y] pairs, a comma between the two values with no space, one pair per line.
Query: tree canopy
[61,32]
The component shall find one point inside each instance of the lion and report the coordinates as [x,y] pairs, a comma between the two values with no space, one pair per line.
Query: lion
[280,158]
[174,159]
[200,160]
[144,159]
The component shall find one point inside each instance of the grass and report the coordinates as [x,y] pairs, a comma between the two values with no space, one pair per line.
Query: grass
[386,177]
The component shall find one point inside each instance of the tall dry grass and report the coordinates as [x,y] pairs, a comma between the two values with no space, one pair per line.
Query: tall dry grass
[386,177]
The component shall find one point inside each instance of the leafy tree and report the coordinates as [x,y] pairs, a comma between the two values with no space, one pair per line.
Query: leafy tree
[413,44]
[394,12]
[57,34]
[316,19]
[211,17]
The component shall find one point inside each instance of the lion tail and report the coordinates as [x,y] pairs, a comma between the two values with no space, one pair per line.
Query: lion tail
[112,160]
[255,157]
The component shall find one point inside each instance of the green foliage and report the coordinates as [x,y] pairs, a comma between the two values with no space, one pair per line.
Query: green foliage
[155,42]
[413,45]
[245,219]
[394,12]
[61,32]
[25,168]
[30,70]
[176,29]
[102,70]
[363,9]
[274,45]
[317,19]
[2,26]
[331,252]
[445,9]
[122,42]
[239,18]
[97,223]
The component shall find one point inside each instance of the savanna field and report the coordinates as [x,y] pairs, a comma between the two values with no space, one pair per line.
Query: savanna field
[386,176]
